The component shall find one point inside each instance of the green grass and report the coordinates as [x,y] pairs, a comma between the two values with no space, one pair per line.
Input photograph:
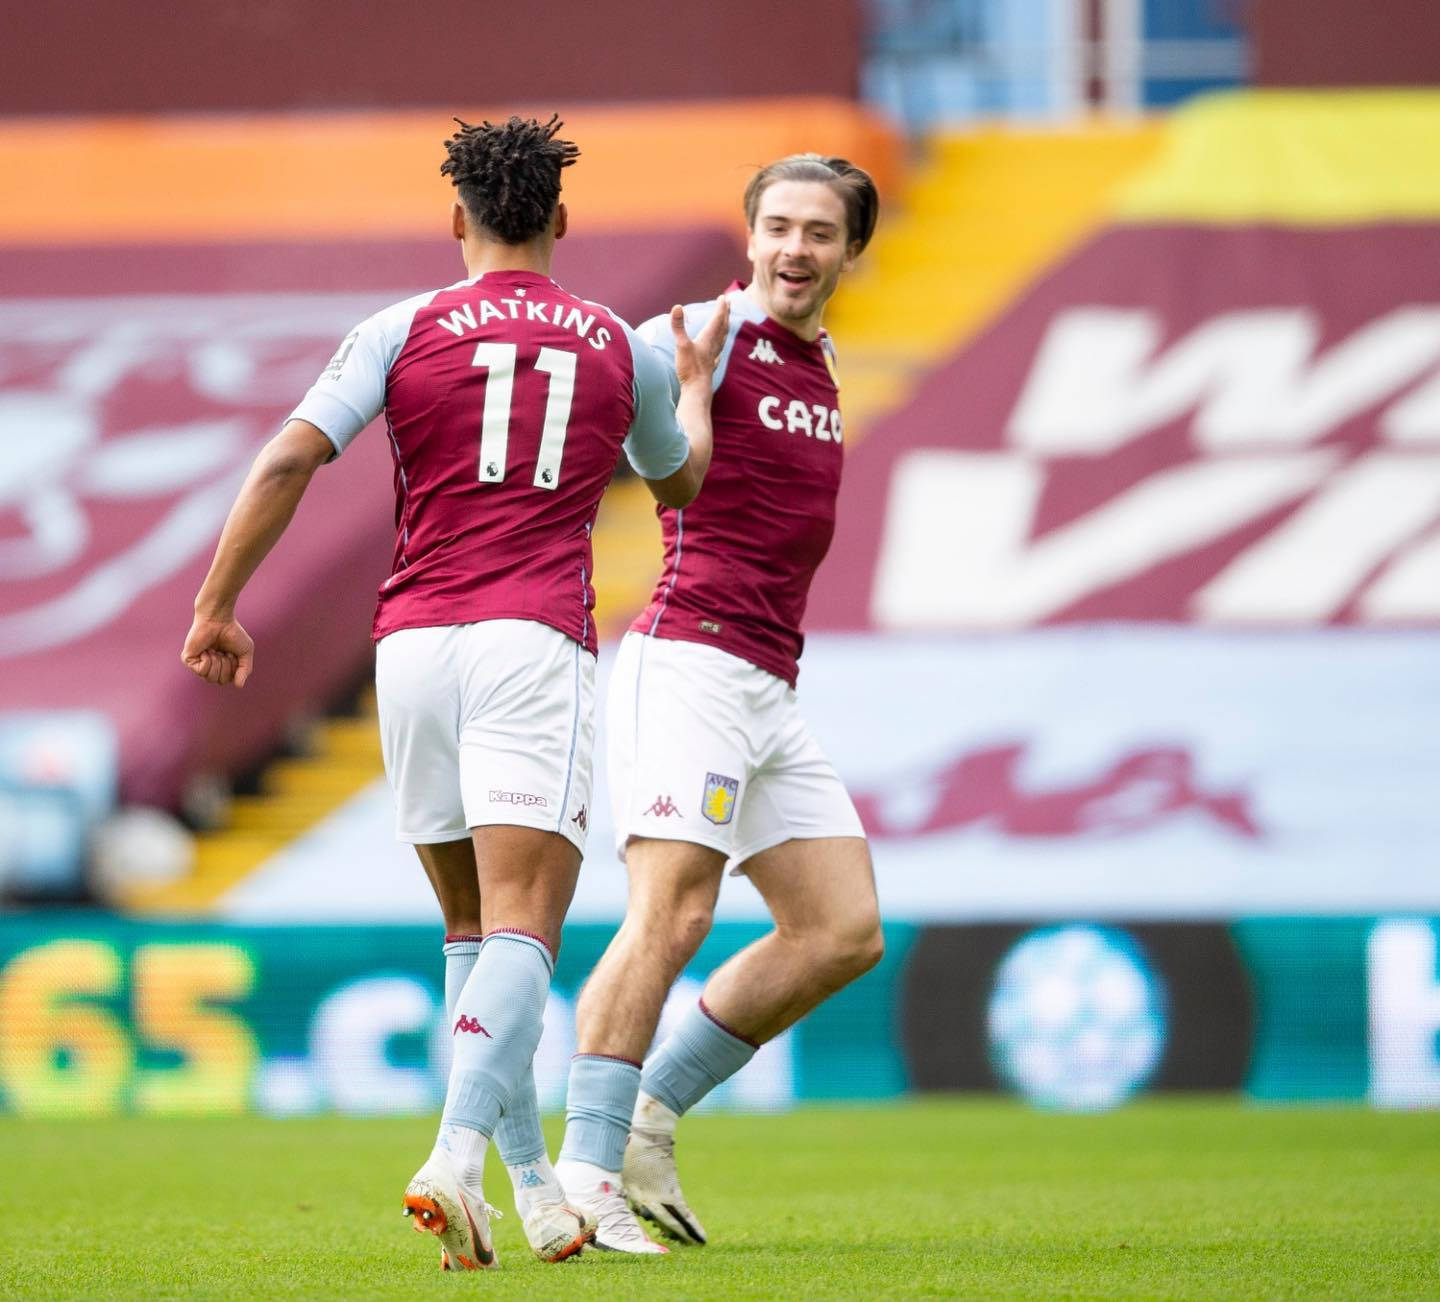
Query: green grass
[1195,1198]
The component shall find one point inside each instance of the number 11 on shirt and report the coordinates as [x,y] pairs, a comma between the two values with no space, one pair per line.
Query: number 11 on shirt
[499,360]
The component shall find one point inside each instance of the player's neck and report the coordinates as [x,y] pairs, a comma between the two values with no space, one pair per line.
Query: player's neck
[482,256]
[807,328]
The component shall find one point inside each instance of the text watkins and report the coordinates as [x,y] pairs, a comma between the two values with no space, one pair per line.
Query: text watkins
[472,316]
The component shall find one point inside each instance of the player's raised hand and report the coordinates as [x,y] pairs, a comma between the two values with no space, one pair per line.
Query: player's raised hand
[219,651]
[697,357]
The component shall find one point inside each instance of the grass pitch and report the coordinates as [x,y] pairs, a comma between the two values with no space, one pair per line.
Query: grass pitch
[959,1197]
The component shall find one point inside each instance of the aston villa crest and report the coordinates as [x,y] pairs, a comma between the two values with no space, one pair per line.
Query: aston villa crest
[718,802]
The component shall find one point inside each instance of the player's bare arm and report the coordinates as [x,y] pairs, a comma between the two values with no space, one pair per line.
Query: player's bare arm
[217,648]
[694,367]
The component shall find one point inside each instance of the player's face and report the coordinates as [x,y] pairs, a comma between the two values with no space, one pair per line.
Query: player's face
[797,251]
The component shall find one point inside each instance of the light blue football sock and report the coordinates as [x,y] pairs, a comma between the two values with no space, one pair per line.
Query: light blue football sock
[518,1136]
[694,1058]
[498,1018]
[460,952]
[599,1102]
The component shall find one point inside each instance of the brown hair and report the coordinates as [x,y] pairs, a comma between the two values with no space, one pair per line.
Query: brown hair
[508,176]
[851,183]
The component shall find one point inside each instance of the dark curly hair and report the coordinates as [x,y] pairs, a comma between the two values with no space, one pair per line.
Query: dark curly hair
[508,175]
[851,183]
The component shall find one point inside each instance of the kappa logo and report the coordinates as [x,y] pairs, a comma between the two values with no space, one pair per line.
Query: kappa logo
[582,819]
[718,802]
[515,798]
[470,1026]
[764,351]
[663,807]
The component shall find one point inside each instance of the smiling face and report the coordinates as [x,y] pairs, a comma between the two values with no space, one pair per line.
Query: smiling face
[798,249]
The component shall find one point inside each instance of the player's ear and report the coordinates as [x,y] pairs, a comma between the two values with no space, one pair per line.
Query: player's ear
[852,253]
[562,221]
[457,220]
[750,245]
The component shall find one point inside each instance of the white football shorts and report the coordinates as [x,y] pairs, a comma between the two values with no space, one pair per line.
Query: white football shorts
[486,723]
[706,747]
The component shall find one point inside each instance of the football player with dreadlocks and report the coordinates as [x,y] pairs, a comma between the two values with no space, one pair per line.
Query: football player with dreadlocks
[507,400]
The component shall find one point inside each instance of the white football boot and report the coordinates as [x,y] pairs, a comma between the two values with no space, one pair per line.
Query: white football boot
[602,1199]
[651,1182]
[557,1230]
[439,1206]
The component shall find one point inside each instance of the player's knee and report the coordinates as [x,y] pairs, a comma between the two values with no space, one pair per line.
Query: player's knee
[871,948]
[854,949]
[672,922]
[688,928]
[672,934]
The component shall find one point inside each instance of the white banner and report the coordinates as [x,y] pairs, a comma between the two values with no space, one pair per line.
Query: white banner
[1104,772]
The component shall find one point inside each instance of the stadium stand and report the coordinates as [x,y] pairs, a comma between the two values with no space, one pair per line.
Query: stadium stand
[142,372]
[981,216]
[1125,645]
[1258,270]
[1000,237]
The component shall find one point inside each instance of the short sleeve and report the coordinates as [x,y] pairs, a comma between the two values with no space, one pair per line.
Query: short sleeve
[657,333]
[655,444]
[350,392]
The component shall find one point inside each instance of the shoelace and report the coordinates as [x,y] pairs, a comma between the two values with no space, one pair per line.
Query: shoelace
[494,1213]
[615,1220]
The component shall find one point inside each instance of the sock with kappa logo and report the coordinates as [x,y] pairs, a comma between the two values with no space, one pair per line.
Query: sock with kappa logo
[518,1137]
[460,953]
[498,1018]
[599,1102]
[522,1148]
[693,1059]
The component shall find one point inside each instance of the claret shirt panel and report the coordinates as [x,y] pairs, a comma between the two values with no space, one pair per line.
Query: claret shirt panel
[506,401]
[739,560]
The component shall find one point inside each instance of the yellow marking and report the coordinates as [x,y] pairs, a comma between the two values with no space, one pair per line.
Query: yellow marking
[1303,158]
[978,222]
[298,793]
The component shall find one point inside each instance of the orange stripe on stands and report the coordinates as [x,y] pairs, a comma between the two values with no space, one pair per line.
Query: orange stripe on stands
[318,176]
